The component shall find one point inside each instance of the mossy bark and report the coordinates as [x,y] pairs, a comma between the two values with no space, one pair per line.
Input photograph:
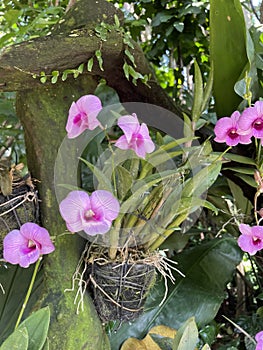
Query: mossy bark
[43,113]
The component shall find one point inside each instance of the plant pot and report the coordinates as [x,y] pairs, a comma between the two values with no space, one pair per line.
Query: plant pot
[120,289]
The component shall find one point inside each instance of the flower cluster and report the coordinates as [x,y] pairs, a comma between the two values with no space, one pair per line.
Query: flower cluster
[239,128]
[94,213]
[83,116]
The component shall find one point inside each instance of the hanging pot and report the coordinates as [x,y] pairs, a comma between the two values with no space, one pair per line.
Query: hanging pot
[120,289]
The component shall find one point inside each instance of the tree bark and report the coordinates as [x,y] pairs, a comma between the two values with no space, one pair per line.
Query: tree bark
[43,113]
[73,42]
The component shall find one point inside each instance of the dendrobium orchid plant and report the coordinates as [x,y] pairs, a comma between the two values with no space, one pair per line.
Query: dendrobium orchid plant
[142,196]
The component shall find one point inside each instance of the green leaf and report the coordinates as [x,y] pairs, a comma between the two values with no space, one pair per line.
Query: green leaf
[208,89]
[37,325]
[124,181]
[248,171]
[116,20]
[227,28]
[75,73]
[187,336]
[247,179]
[198,94]
[241,201]
[161,17]
[202,180]
[99,58]
[126,70]
[103,181]
[239,159]
[11,16]
[15,281]
[80,68]
[90,64]
[55,75]
[188,132]
[43,79]
[134,74]
[206,347]
[18,340]
[164,343]
[197,294]
[130,56]
[179,26]
[64,76]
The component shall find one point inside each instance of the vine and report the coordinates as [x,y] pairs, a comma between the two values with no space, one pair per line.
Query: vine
[101,31]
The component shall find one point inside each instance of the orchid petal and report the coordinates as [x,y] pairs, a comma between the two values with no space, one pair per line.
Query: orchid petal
[97,227]
[72,206]
[122,143]
[105,201]
[11,246]
[129,125]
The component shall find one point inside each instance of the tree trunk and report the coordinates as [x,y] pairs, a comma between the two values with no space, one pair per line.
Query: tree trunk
[43,113]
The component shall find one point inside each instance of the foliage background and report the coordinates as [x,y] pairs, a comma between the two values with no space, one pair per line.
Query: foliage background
[173,34]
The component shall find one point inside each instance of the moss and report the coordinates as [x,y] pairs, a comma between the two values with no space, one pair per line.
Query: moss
[43,113]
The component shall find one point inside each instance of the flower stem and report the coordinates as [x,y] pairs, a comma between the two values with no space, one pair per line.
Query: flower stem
[257,194]
[28,292]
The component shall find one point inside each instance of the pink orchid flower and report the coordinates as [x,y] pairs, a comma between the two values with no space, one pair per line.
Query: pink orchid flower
[25,246]
[136,136]
[251,120]
[259,339]
[251,239]
[92,214]
[226,130]
[83,115]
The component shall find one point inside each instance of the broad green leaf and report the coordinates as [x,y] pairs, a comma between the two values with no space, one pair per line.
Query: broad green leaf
[187,336]
[247,171]
[198,94]
[247,179]
[15,281]
[239,159]
[37,325]
[227,28]
[197,294]
[18,340]
[202,180]
[241,201]
[161,17]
